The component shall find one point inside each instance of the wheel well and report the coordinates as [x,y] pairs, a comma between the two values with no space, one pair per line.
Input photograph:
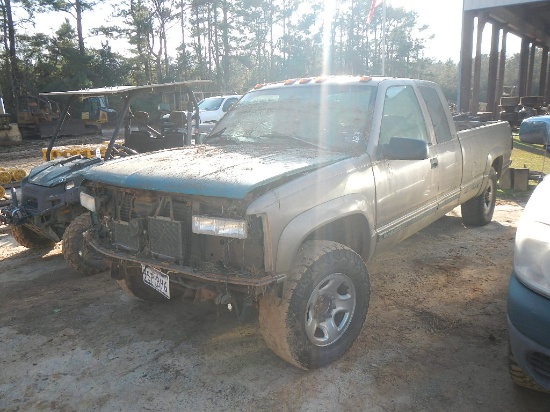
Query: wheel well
[497,165]
[351,231]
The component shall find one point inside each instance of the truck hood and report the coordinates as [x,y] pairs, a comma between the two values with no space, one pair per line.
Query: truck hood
[58,171]
[229,171]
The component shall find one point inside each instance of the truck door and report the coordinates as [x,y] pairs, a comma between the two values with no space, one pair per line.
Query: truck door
[406,190]
[449,153]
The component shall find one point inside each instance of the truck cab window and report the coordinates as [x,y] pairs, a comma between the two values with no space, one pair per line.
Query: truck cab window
[402,116]
[437,114]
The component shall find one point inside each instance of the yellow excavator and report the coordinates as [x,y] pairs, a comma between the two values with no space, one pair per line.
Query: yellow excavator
[38,117]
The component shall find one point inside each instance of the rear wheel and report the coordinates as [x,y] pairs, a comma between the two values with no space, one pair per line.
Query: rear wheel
[76,251]
[30,239]
[322,308]
[479,210]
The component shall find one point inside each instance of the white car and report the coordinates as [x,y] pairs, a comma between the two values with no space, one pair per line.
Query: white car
[212,109]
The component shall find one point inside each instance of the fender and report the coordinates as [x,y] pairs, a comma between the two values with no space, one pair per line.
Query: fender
[496,156]
[483,139]
[299,228]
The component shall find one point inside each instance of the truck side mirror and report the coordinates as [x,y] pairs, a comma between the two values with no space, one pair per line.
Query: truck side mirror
[405,148]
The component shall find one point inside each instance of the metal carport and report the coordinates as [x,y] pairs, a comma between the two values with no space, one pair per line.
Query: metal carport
[527,19]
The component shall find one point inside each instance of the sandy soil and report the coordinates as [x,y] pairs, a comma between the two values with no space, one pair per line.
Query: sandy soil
[435,338]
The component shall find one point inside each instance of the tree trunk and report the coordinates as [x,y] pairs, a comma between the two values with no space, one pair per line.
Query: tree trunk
[78,7]
[14,68]
[216,43]
[198,34]
[226,47]
[183,75]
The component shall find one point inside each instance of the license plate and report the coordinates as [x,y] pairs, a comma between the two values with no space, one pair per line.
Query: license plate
[156,279]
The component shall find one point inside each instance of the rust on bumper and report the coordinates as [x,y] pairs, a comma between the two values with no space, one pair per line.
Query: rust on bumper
[232,278]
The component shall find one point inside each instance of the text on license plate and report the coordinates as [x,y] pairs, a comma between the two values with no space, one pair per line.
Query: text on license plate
[156,279]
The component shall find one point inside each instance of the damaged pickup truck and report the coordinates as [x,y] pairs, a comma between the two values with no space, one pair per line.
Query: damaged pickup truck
[299,185]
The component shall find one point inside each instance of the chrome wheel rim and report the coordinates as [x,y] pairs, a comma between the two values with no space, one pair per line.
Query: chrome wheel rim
[488,198]
[330,309]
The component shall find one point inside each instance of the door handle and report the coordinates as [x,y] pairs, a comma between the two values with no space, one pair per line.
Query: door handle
[434,162]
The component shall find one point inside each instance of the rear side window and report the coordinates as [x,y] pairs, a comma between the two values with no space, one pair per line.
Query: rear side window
[437,114]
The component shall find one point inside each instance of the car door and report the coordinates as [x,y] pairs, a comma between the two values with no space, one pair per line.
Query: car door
[406,190]
[447,145]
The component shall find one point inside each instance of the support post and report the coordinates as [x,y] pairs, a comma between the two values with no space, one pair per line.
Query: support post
[502,66]
[523,66]
[492,79]
[543,73]
[481,20]
[529,89]
[465,86]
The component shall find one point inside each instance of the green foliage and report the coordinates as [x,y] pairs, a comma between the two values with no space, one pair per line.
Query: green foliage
[445,74]
[54,63]
[235,43]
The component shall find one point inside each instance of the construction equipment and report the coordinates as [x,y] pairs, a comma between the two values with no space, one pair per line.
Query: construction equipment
[96,111]
[38,116]
[9,178]
[9,132]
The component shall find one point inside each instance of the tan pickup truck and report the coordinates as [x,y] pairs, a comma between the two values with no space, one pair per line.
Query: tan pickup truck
[297,187]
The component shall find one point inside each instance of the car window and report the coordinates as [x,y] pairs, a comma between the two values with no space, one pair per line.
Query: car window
[228,103]
[211,104]
[402,115]
[437,114]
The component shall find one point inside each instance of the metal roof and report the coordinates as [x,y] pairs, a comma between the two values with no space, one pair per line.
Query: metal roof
[524,18]
[102,91]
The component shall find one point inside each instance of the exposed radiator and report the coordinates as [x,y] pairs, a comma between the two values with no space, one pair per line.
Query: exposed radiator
[166,238]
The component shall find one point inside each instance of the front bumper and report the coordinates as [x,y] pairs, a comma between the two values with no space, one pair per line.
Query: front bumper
[529,331]
[259,282]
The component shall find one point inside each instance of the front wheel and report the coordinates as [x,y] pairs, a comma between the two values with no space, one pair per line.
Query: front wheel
[30,239]
[76,251]
[322,308]
[479,210]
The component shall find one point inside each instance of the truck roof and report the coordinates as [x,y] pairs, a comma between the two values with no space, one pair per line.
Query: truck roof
[313,81]
[102,91]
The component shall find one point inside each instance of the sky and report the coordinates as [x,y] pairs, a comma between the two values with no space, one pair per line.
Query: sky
[443,17]
[444,20]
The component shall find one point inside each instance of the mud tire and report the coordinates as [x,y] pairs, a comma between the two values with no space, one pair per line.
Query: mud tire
[520,378]
[325,272]
[479,210]
[77,253]
[29,239]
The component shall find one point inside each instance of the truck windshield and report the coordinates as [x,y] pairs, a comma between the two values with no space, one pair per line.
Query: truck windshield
[327,116]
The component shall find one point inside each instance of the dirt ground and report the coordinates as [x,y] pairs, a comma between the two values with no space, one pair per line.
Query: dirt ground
[435,337]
